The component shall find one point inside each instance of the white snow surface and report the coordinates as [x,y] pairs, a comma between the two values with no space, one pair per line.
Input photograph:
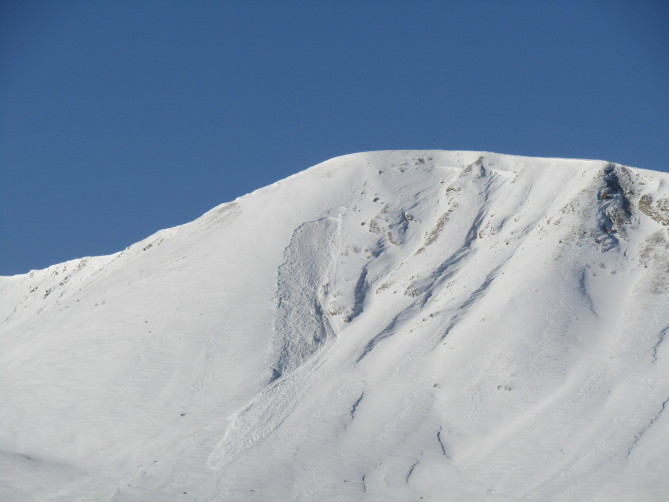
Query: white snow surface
[404,325]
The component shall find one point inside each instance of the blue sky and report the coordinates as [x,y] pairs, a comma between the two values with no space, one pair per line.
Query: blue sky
[119,118]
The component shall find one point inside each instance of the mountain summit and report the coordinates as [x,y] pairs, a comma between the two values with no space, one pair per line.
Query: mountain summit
[414,325]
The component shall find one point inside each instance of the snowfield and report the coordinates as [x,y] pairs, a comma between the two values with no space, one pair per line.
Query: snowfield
[413,325]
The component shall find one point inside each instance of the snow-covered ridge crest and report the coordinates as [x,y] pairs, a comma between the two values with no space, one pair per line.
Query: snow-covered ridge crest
[382,326]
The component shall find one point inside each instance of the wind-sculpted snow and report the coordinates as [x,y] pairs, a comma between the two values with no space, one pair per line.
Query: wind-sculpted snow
[408,325]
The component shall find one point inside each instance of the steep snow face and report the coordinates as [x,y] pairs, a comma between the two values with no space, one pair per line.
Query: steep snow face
[383,326]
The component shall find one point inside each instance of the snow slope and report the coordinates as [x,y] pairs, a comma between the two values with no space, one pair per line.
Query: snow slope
[382,326]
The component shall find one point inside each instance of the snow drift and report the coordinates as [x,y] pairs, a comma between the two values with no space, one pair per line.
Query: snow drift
[383,326]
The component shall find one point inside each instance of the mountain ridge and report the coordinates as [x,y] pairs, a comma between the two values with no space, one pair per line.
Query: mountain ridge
[343,157]
[357,330]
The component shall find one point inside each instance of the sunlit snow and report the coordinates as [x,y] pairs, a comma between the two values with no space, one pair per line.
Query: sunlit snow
[414,325]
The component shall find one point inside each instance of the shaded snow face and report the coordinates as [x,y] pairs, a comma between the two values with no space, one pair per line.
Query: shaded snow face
[382,326]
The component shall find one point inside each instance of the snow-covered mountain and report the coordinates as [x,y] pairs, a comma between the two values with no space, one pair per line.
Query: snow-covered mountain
[429,325]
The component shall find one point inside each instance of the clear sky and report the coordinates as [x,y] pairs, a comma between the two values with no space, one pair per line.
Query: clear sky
[119,118]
